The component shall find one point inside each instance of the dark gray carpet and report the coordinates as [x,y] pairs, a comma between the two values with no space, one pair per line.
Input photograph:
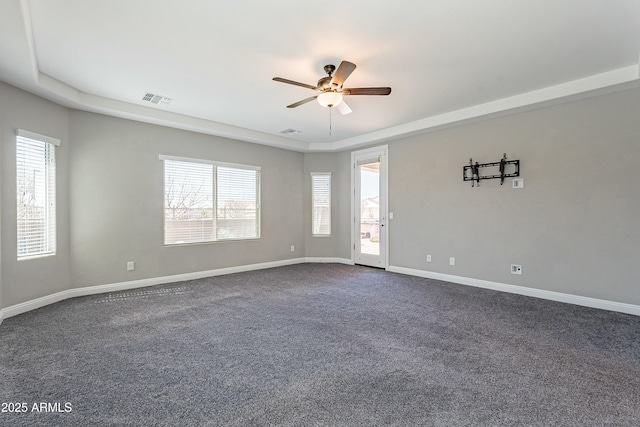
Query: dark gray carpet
[320,345]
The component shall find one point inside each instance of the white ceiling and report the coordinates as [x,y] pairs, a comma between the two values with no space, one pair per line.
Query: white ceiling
[446,61]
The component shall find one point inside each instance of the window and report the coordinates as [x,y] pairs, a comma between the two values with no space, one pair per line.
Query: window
[207,201]
[35,194]
[321,204]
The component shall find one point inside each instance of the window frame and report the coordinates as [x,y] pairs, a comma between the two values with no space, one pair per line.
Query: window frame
[216,164]
[49,190]
[315,226]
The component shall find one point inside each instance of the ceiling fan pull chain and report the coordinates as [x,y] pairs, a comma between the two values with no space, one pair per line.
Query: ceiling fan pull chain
[329,121]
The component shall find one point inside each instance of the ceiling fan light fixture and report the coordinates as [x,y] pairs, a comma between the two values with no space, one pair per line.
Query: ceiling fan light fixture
[329,99]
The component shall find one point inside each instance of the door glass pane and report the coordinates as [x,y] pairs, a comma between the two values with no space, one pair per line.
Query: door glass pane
[370,208]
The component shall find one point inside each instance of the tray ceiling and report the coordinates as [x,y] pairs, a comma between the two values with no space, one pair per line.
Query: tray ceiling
[210,65]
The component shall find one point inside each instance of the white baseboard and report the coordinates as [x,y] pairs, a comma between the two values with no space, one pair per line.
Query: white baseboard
[133,284]
[26,306]
[23,307]
[33,304]
[521,290]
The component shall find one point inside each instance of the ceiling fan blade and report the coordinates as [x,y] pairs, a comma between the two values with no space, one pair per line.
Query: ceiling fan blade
[291,82]
[343,108]
[367,91]
[304,101]
[344,70]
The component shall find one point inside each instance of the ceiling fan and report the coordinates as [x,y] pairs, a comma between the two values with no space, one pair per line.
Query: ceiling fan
[331,90]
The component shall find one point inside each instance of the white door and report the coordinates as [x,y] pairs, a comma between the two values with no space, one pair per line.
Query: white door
[369,207]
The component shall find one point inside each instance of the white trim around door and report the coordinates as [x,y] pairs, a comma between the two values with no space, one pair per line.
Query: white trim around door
[377,157]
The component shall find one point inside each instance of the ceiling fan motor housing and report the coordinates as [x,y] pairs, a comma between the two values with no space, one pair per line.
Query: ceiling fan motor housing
[324,83]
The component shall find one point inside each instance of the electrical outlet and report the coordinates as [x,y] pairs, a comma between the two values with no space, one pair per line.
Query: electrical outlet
[131,266]
[516,269]
[428,258]
[293,248]
[452,261]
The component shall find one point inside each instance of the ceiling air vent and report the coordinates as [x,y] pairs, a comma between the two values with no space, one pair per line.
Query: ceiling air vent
[289,131]
[156,99]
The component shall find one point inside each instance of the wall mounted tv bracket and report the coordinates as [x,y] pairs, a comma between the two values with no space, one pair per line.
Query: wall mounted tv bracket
[472,171]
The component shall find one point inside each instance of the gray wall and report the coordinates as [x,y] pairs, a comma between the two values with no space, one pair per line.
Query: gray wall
[30,279]
[117,201]
[109,200]
[574,227]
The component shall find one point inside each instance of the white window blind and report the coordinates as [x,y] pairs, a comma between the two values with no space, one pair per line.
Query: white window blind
[321,204]
[188,202]
[36,195]
[238,213]
[209,201]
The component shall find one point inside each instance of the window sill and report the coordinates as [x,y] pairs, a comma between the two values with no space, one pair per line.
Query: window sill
[30,257]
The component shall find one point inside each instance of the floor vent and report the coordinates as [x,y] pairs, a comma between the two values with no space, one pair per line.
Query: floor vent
[156,99]
[121,296]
